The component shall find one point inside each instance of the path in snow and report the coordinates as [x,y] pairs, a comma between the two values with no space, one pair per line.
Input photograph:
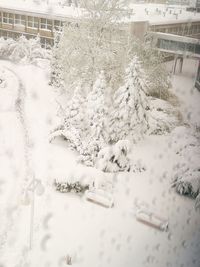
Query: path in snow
[12,163]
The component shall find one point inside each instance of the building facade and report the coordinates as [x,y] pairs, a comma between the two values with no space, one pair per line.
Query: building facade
[14,22]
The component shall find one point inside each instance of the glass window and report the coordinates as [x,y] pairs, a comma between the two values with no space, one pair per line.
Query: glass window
[7,18]
[58,25]
[20,20]
[46,24]
[32,22]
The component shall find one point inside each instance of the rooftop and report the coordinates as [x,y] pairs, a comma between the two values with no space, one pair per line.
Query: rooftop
[154,13]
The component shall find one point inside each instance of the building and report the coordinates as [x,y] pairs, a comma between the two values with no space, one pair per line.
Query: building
[32,19]
[178,2]
[194,4]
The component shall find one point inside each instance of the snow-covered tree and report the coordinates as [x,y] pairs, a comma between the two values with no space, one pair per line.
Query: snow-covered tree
[130,115]
[97,111]
[96,119]
[75,111]
[23,50]
[74,128]
[152,61]
[96,42]
[56,78]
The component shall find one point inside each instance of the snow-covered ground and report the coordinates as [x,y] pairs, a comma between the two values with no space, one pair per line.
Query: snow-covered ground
[68,224]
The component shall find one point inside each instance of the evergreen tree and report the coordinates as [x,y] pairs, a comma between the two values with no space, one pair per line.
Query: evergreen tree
[97,135]
[129,118]
[56,78]
[75,124]
[97,111]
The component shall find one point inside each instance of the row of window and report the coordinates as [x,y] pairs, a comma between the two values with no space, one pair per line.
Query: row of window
[180,30]
[178,46]
[32,22]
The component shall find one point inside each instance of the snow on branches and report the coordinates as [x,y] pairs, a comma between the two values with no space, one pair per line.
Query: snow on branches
[65,187]
[186,180]
[97,111]
[117,158]
[92,126]
[91,44]
[130,116]
[23,50]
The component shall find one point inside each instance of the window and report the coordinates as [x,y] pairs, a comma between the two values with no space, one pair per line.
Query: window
[32,22]
[58,25]
[46,24]
[7,18]
[20,20]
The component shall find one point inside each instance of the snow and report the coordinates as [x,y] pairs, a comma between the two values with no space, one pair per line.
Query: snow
[162,14]
[66,224]
[140,12]
[51,7]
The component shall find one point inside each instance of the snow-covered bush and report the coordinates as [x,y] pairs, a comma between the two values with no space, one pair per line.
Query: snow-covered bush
[163,117]
[186,145]
[115,158]
[129,118]
[75,187]
[23,50]
[187,182]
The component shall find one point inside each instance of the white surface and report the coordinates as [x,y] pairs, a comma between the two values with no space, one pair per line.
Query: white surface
[138,14]
[67,224]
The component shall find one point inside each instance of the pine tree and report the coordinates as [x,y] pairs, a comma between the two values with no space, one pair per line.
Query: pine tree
[97,111]
[97,135]
[56,78]
[75,109]
[75,124]
[129,118]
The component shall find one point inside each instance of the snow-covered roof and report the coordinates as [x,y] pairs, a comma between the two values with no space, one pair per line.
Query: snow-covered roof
[155,14]
[158,14]
[42,7]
